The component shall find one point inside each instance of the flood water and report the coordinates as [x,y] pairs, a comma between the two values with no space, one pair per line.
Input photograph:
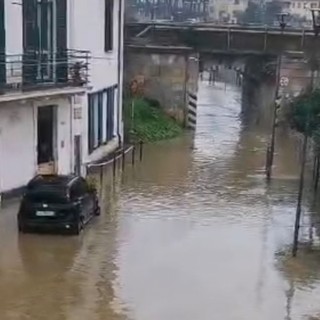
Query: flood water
[193,232]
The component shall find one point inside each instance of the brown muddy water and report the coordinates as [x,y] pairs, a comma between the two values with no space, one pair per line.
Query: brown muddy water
[191,233]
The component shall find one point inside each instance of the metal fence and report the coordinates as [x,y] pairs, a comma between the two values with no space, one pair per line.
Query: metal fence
[36,70]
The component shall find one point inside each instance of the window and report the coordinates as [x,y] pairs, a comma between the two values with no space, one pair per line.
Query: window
[108,32]
[299,5]
[293,4]
[78,190]
[313,5]
[101,117]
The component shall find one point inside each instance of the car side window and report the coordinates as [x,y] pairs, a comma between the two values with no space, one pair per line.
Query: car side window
[78,190]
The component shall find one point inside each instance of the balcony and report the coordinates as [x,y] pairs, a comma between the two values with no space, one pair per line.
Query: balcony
[43,71]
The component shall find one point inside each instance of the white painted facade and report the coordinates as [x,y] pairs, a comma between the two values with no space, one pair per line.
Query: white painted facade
[103,65]
[18,111]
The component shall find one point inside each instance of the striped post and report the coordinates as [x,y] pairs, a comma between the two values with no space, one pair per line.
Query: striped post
[192,111]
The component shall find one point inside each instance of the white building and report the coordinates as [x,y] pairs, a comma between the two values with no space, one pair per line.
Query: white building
[226,11]
[60,86]
[299,10]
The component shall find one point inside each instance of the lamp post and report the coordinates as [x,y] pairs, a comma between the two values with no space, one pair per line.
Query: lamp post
[316,28]
[282,19]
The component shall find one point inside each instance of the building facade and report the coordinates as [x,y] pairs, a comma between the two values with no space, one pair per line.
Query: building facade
[227,11]
[60,86]
[300,14]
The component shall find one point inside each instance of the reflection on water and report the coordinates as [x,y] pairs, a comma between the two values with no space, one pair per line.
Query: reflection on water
[192,232]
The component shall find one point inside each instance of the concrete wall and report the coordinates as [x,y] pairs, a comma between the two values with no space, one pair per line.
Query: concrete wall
[166,76]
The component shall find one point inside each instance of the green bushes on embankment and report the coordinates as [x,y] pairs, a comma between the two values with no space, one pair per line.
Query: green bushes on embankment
[145,120]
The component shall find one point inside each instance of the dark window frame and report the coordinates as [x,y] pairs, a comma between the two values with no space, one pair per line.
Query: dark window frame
[2,44]
[109,111]
[108,25]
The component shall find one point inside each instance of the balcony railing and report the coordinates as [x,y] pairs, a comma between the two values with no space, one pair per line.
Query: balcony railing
[43,70]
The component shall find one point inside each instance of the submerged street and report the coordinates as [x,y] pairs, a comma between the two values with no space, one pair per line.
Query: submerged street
[193,232]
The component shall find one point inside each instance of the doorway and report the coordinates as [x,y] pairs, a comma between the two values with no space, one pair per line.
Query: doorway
[47,125]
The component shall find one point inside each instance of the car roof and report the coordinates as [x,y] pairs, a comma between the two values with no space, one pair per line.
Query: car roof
[58,181]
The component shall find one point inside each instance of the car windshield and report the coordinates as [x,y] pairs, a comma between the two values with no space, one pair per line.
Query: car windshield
[44,196]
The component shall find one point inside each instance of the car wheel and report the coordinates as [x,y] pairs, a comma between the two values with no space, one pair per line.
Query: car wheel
[77,228]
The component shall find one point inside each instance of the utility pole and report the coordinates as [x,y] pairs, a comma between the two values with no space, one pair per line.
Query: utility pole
[271,147]
[300,194]
[316,29]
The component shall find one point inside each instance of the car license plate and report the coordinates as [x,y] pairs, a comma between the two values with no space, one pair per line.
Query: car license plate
[45,213]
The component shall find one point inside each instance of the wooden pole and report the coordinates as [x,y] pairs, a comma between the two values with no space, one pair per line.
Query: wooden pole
[123,159]
[141,150]
[133,155]
[114,164]
[274,121]
[101,181]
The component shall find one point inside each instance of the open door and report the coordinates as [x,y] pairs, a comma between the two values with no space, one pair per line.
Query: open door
[47,139]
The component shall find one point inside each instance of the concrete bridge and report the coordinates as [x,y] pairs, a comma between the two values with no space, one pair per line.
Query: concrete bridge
[239,40]
[167,57]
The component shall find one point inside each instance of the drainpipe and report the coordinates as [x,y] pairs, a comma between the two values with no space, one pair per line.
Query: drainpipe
[120,69]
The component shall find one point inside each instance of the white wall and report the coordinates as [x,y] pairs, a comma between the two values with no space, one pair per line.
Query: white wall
[18,140]
[86,32]
[86,23]
[17,147]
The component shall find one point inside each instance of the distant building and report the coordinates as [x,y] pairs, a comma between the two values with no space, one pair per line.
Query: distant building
[60,86]
[226,11]
[299,11]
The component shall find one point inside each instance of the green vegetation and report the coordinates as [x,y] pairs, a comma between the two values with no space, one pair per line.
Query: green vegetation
[304,115]
[144,120]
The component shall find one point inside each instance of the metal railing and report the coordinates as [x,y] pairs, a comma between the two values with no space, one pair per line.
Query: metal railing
[36,70]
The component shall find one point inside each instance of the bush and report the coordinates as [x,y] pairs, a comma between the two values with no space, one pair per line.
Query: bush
[304,115]
[150,123]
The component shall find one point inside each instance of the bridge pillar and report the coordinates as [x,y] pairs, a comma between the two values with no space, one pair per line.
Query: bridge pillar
[259,89]
[170,75]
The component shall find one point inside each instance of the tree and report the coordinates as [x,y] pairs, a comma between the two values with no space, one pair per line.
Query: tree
[304,117]
[273,8]
[253,13]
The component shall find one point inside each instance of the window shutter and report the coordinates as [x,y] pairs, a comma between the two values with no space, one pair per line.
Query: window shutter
[108,41]
[62,66]
[100,116]
[90,122]
[30,41]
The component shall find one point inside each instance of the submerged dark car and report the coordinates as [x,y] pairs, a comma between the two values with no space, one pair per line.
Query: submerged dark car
[58,202]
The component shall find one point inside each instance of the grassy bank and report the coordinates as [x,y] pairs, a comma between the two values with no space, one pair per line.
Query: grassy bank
[149,123]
